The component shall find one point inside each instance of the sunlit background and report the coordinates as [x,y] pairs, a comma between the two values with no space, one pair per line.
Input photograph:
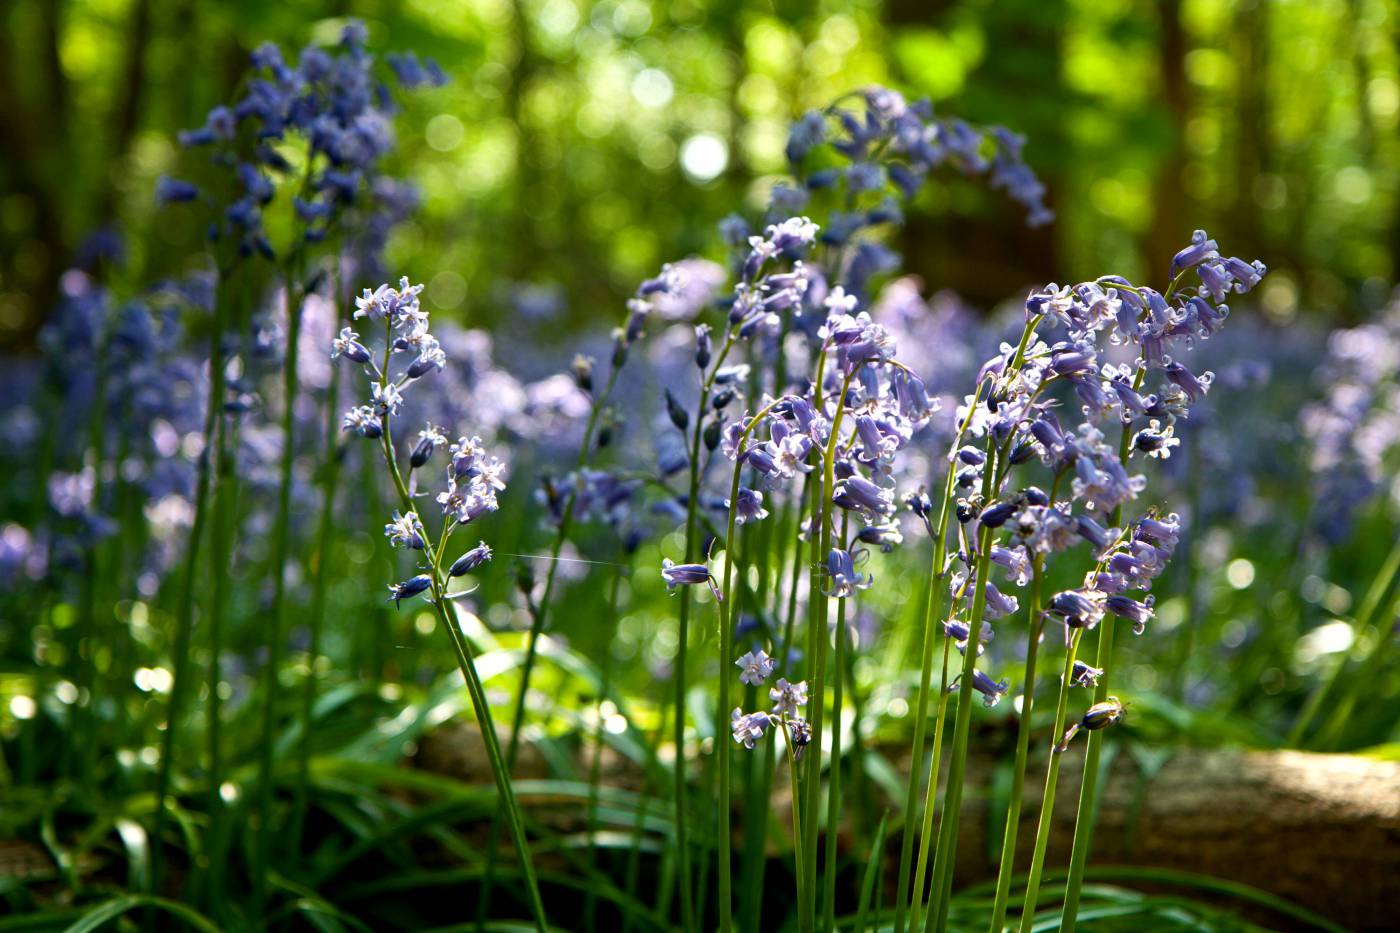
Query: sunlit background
[580,144]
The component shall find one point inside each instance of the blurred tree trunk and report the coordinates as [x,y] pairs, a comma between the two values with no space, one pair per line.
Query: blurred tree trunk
[1317,830]
[988,256]
[1170,229]
[128,109]
[37,126]
[518,260]
[1252,142]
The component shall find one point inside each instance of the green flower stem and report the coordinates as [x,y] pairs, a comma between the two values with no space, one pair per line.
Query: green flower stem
[325,540]
[225,509]
[926,836]
[446,614]
[833,799]
[1088,790]
[1047,801]
[281,547]
[1380,586]
[1023,737]
[817,639]
[726,661]
[933,610]
[184,624]
[595,769]
[936,917]
[539,613]
[993,473]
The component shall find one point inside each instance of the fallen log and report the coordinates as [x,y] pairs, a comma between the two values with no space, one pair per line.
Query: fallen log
[1321,831]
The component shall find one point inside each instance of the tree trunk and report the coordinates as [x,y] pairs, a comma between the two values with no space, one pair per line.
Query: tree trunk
[1320,831]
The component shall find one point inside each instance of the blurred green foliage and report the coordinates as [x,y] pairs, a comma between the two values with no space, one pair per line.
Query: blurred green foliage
[582,143]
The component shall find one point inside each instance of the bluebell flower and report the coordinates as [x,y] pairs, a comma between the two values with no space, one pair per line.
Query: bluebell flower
[788,698]
[409,588]
[405,531]
[470,561]
[1201,249]
[749,507]
[688,575]
[806,134]
[173,190]
[1126,608]
[845,581]
[1081,608]
[1083,675]
[363,420]
[748,728]
[992,690]
[754,667]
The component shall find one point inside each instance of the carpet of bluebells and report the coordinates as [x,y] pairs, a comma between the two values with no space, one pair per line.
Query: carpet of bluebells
[760,563]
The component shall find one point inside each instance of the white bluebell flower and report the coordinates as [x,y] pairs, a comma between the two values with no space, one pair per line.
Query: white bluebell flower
[755,667]
[748,728]
[788,698]
[405,531]
[362,420]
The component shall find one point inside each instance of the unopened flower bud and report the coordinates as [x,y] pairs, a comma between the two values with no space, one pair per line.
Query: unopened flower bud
[582,368]
[712,434]
[422,453]
[470,561]
[679,416]
[703,346]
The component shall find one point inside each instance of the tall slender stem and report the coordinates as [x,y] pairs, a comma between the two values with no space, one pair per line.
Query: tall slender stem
[1047,800]
[833,799]
[281,548]
[184,629]
[446,614]
[937,916]
[325,539]
[595,770]
[1023,738]
[1088,788]
[818,638]
[539,614]
[933,609]
[926,837]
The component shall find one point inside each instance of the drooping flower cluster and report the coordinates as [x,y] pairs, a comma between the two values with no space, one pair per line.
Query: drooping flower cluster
[334,103]
[408,352]
[891,146]
[1020,412]
[1353,433]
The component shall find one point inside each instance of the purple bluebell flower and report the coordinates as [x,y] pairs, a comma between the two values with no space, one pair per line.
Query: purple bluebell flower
[1084,675]
[845,580]
[1082,608]
[959,631]
[405,531]
[799,733]
[1126,608]
[885,535]
[1201,249]
[471,560]
[992,690]
[749,506]
[688,575]
[174,191]
[788,698]
[748,728]
[409,588]
[859,494]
